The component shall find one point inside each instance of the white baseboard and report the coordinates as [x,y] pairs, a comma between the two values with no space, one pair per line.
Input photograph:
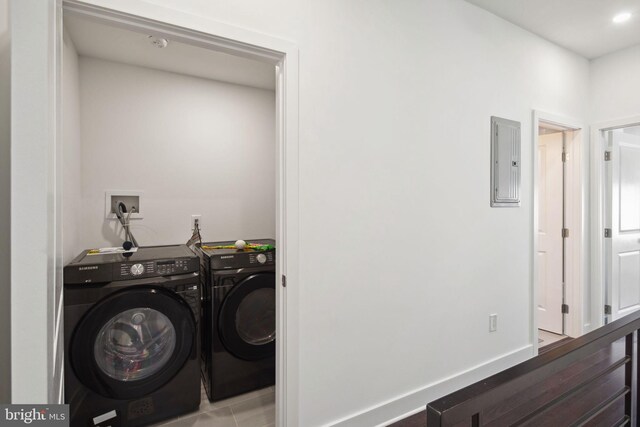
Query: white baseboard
[411,403]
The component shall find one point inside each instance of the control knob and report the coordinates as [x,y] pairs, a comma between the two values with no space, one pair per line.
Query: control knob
[261,258]
[137,269]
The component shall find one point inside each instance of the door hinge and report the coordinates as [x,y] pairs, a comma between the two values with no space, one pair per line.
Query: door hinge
[607,233]
[565,309]
[565,233]
[607,156]
[564,157]
[284,281]
[607,309]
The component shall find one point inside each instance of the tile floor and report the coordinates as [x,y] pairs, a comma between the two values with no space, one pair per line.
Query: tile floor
[254,409]
[546,337]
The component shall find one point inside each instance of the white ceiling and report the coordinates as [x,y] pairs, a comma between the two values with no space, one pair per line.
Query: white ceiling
[116,44]
[583,26]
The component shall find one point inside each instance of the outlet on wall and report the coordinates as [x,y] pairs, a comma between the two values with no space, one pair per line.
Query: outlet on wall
[493,322]
[196,218]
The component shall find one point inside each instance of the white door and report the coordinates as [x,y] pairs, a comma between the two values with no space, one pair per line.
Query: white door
[625,221]
[550,221]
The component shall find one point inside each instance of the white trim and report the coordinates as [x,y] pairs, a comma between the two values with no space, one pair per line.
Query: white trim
[40,137]
[616,124]
[597,225]
[287,232]
[577,250]
[403,416]
[597,217]
[413,402]
[34,203]
[185,27]
[222,37]
[575,288]
[56,382]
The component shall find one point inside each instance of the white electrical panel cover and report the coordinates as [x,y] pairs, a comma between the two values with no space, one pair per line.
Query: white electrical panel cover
[505,163]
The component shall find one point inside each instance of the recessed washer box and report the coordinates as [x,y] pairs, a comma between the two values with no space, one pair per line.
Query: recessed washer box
[129,197]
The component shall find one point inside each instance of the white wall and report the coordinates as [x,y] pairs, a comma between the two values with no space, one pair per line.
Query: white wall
[615,86]
[5,206]
[191,145]
[402,259]
[35,227]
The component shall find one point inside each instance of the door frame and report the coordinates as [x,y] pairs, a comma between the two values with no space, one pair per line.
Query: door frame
[36,128]
[575,286]
[598,271]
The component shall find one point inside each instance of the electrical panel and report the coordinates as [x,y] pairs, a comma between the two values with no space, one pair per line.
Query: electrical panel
[505,162]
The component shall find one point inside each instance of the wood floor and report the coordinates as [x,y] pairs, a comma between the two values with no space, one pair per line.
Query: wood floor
[417,420]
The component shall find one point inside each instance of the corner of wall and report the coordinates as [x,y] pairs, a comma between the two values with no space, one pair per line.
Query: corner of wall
[5,207]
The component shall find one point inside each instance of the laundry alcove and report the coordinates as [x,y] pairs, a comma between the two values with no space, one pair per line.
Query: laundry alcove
[192,129]
[176,133]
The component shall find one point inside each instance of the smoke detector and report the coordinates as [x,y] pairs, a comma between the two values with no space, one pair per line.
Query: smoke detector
[159,42]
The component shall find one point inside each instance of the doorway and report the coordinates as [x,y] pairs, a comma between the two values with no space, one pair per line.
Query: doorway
[41,28]
[621,159]
[173,122]
[558,222]
[615,218]
[551,226]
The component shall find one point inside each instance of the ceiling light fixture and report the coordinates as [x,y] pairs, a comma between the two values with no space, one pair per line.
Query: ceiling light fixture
[159,42]
[621,17]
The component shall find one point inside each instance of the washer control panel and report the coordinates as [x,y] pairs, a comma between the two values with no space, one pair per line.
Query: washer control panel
[137,269]
[156,268]
[93,266]
[174,266]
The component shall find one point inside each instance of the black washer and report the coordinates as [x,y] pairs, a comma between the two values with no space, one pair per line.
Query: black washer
[131,333]
[84,357]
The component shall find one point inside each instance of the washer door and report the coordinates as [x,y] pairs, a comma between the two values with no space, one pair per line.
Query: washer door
[247,319]
[133,342]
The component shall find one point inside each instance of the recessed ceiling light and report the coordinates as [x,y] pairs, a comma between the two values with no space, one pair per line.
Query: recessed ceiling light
[621,17]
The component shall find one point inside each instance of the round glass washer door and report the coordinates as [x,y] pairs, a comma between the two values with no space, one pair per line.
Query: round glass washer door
[135,344]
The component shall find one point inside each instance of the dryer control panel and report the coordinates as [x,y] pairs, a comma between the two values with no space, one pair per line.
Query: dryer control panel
[224,256]
[243,260]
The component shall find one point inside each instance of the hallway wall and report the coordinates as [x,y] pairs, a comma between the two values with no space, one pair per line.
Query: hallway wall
[401,258]
[615,86]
